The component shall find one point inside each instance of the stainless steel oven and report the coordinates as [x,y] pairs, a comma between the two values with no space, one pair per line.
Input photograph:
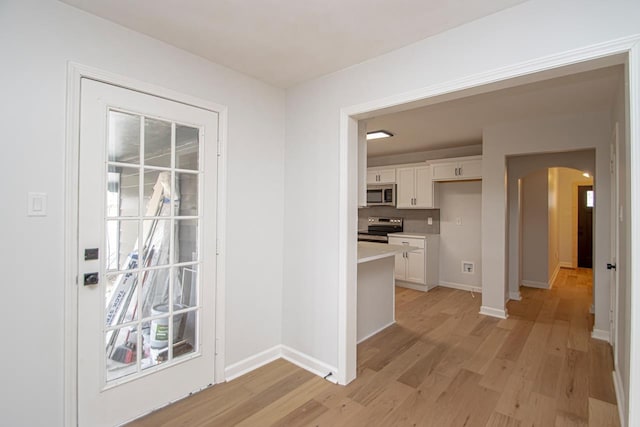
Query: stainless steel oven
[379,227]
[381,195]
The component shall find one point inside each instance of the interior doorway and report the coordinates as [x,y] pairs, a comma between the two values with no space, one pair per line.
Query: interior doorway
[493,297]
[585,226]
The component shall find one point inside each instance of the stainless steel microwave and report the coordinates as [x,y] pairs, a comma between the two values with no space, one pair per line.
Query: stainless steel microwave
[381,195]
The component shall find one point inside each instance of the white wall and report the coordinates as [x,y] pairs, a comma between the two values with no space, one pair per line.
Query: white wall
[37,38]
[421,156]
[462,242]
[531,30]
[535,228]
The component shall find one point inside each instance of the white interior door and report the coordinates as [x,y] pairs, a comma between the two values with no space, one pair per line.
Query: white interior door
[146,239]
[615,229]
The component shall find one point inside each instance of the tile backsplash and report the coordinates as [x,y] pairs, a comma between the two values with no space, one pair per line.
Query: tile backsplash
[415,220]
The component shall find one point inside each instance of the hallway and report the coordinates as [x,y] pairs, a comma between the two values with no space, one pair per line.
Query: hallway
[442,364]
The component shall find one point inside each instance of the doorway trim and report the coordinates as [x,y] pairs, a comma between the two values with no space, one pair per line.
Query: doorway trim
[348,182]
[75,72]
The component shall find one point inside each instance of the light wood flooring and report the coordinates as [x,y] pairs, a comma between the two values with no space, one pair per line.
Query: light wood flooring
[442,364]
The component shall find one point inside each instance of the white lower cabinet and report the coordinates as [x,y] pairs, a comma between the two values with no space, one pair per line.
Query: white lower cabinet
[417,269]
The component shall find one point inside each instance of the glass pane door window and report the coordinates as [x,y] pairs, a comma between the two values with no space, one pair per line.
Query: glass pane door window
[152,222]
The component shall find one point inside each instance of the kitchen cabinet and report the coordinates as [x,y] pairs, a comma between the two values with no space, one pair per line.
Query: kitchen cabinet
[415,188]
[417,269]
[457,169]
[381,176]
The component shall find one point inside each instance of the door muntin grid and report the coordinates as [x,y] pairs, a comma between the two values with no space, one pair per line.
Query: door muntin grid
[151,306]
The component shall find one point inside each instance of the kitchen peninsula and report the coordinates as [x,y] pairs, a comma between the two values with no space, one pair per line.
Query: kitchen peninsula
[376,286]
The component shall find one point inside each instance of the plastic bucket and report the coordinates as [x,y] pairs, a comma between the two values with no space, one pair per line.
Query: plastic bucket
[160,327]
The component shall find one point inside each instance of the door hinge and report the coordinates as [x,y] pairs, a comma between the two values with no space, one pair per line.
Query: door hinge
[611,266]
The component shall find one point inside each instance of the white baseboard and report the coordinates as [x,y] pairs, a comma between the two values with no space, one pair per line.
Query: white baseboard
[252,362]
[494,312]
[600,334]
[309,363]
[622,404]
[515,296]
[554,276]
[280,352]
[462,287]
[375,332]
[534,284]
[414,286]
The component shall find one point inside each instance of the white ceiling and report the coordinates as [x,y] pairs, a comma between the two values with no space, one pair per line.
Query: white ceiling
[284,42]
[459,122]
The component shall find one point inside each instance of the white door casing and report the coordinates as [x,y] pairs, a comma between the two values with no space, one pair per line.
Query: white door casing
[493,302]
[103,402]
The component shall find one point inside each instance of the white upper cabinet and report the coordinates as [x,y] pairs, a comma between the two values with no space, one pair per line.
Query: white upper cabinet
[381,176]
[406,187]
[415,188]
[457,169]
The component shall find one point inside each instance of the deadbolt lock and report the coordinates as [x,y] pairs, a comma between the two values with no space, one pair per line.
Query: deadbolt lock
[90,279]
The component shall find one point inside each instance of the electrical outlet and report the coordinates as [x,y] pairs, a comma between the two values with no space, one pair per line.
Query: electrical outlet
[468,267]
[429,221]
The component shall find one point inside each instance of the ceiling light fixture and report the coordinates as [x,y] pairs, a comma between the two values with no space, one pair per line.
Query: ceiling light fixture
[586,175]
[377,134]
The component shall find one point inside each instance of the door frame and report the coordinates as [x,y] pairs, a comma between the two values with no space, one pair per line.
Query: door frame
[75,72]
[627,47]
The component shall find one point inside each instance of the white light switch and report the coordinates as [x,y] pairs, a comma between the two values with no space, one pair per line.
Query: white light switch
[429,221]
[37,204]
[458,221]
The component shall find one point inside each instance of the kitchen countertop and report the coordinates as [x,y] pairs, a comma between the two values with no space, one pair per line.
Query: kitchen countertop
[412,234]
[370,251]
